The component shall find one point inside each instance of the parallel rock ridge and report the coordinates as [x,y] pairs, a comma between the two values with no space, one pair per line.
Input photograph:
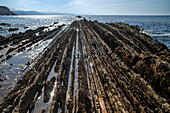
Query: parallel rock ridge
[98,67]
[5,11]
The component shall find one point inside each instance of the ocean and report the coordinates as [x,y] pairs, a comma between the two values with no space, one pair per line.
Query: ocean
[26,22]
[158,27]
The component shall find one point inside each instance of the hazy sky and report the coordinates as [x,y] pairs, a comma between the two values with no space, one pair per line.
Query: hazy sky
[99,7]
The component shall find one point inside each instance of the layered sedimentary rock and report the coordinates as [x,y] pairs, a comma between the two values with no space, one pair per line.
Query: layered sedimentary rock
[96,67]
[22,41]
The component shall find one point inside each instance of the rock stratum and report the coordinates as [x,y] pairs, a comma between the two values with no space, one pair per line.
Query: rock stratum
[95,67]
[5,11]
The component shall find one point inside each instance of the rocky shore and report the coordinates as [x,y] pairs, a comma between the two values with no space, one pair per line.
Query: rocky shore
[91,67]
[18,52]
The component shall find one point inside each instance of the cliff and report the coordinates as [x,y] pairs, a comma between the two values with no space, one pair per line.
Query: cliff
[5,11]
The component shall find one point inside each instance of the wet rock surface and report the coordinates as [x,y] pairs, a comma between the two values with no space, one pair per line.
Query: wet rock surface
[78,16]
[5,24]
[94,67]
[17,43]
[13,29]
[1,29]
[48,89]
[18,53]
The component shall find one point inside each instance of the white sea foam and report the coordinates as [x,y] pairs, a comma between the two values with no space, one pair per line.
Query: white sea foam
[161,34]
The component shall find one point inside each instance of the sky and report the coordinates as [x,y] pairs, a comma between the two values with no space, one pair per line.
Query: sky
[93,7]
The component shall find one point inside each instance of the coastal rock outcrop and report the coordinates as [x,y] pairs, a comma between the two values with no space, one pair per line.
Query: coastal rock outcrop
[5,11]
[95,67]
[13,29]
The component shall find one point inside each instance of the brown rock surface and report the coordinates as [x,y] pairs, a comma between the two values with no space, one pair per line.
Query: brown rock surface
[98,67]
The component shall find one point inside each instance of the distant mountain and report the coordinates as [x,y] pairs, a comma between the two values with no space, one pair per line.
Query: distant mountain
[5,11]
[18,12]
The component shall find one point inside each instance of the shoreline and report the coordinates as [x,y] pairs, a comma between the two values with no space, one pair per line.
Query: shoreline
[19,52]
[156,29]
[115,67]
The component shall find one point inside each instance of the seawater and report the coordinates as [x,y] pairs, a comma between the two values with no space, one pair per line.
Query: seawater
[32,22]
[158,27]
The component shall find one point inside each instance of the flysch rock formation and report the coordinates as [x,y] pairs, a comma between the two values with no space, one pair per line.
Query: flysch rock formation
[5,11]
[96,67]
